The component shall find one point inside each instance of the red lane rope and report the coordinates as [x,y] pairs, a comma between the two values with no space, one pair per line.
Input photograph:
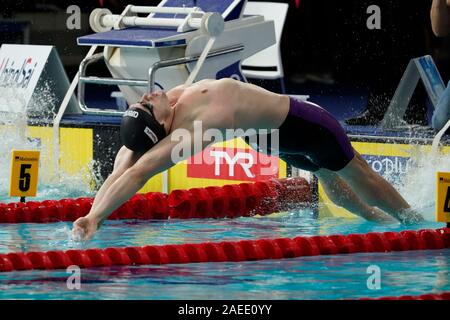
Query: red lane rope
[430,296]
[234,251]
[230,201]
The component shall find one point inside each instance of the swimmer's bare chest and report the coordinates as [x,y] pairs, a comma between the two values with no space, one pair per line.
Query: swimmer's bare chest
[228,104]
[205,102]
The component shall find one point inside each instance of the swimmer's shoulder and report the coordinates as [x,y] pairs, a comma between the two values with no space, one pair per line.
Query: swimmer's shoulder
[204,81]
[228,81]
[227,85]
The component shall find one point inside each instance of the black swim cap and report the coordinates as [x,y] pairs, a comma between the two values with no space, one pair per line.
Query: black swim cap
[139,130]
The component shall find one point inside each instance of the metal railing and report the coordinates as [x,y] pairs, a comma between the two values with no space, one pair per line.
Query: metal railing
[149,83]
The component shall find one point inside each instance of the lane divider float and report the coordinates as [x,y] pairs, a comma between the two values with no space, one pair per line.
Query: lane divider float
[230,201]
[231,251]
[429,296]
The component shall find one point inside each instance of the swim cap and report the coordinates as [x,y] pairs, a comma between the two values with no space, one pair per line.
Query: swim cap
[139,130]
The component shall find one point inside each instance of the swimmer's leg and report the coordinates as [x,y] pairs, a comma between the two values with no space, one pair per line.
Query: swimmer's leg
[376,191]
[125,159]
[342,195]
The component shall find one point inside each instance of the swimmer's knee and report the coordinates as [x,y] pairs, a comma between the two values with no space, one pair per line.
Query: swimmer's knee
[325,174]
[116,174]
[356,165]
[137,174]
[125,158]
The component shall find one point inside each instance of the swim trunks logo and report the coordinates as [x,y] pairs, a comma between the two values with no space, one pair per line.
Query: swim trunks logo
[151,134]
[131,113]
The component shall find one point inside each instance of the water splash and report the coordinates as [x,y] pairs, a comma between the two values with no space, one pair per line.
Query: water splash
[15,117]
[418,186]
[13,130]
[43,104]
[66,239]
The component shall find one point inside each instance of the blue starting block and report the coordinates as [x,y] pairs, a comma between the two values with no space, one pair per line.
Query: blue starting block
[422,68]
[146,48]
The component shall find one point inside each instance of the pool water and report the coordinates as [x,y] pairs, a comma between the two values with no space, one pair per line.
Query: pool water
[321,277]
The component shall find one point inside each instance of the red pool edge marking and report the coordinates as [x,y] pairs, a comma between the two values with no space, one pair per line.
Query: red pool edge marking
[229,251]
[429,296]
[229,201]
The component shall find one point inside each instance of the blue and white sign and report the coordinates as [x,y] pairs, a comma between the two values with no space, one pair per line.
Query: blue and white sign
[31,73]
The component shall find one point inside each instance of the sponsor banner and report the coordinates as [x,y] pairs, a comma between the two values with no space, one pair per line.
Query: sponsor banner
[443,196]
[390,167]
[21,67]
[233,164]
[33,79]
[24,173]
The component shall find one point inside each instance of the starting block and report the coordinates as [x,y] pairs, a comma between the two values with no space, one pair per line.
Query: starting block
[148,48]
[422,68]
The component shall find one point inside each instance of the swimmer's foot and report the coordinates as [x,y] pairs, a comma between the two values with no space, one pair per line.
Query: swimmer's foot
[409,217]
[379,216]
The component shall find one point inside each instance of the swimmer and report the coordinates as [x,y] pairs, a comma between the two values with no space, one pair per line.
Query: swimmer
[309,139]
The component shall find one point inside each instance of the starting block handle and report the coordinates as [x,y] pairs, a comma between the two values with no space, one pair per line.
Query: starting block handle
[183,60]
[102,20]
[173,10]
[110,20]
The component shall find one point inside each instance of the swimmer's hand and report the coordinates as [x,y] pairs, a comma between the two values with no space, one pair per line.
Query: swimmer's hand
[84,229]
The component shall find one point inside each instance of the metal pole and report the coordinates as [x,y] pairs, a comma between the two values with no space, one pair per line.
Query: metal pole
[174,10]
[114,81]
[110,21]
[150,83]
[168,63]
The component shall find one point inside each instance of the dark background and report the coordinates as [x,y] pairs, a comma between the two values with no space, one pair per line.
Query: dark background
[322,39]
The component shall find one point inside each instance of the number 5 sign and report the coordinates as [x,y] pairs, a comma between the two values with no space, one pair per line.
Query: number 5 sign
[24,173]
[443,197]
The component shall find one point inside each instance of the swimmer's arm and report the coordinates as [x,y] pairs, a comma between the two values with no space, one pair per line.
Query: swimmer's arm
[125,159]
[154,161]
[440,17]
